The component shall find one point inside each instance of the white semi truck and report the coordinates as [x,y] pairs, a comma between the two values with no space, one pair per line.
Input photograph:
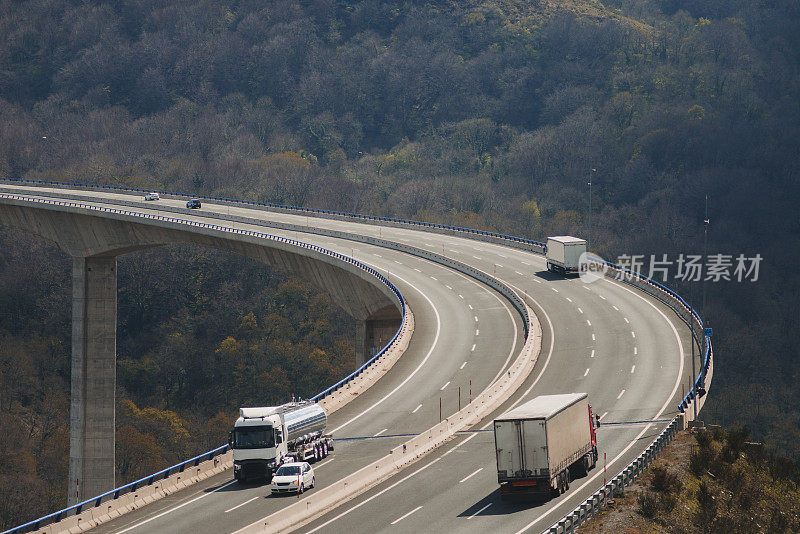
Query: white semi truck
[543,444]
[564,253]
[264,438]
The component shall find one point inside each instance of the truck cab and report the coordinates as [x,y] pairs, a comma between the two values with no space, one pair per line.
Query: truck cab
[258,444]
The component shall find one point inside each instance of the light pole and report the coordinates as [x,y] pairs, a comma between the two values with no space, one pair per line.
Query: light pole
[706,222]
[589,240]
[355,187]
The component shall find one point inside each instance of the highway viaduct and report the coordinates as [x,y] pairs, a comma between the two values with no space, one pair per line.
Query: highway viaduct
[94,242]
[620,346]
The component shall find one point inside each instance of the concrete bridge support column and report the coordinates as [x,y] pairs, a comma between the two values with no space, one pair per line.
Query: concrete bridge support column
[375,332]
[94,351]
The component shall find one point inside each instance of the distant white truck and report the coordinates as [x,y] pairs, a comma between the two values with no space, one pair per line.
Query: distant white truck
[263,438]
[543,444]
[564,253]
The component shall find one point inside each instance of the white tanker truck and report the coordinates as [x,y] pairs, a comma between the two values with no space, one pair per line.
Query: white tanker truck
[264,438]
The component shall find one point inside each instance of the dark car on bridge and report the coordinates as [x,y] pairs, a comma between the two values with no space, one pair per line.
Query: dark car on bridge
[193,204]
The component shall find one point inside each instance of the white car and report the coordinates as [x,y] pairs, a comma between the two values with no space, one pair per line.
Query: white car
[152,196]
[293,477]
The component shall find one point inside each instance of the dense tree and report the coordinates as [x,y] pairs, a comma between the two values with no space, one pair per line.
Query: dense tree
[490,115]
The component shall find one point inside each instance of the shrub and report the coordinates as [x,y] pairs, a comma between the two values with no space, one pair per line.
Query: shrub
[699,461]
[648,504]
[667,502]
[706,509]
[736,438]
[664,481]
[703,438]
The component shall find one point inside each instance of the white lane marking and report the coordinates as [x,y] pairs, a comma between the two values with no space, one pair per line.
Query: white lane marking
[580,310]
[524,262]
[537,281]
[570,300]
[398,262]
[588,322]
[626,320]
[470,306]
[479,511]
[414,372]
[476,318]
[417,270]
[544,367]
[502,255]
[377,255]
[554,289]
[460,296]
[604,414]
[593,339]
[477,257]
[602,297]
[470,475]
[448,287]
[633,368]
[587,372]
[473,348]
[498,265]
[140,523]
[433,278]
[633,334]
[417,408]
[462,365]
[621,393]
[444,386]
[457,446]
[477,332]
[521,274]
[635,351]
[405,515]
[592,355]
[240,505]
[586,287]
[615,308]
[381,432]
[365,501]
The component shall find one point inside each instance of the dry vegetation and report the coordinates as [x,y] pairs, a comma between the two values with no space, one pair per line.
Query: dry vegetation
[709,481]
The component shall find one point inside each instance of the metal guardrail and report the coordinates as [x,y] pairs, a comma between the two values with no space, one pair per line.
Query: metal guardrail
[652,287]
[442,228]
[117,492]
[601,497]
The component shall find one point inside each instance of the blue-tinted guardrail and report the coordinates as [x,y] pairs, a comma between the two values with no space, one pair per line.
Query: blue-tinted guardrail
[116,493]
[511,240]
[295,209]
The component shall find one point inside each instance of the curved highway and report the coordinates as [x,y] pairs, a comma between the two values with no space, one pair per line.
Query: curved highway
[628,351]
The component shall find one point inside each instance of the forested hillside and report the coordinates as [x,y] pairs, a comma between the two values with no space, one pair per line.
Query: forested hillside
[490,114]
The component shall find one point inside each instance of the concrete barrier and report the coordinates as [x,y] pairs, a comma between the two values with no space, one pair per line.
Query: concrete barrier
[325,499]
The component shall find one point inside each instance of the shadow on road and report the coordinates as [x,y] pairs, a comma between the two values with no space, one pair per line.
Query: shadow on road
[493,504]
[233,485]
[553,277]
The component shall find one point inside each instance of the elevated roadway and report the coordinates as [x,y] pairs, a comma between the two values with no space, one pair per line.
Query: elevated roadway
[628,351]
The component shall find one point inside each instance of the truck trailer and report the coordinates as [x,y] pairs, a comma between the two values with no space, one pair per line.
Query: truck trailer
[543,444]
[564,253]
[263,438]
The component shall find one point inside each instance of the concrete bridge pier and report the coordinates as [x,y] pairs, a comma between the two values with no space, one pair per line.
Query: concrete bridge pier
[375,332]
[94,349]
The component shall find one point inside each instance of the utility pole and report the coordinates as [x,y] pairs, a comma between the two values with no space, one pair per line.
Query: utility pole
[706,222]
[589,240]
